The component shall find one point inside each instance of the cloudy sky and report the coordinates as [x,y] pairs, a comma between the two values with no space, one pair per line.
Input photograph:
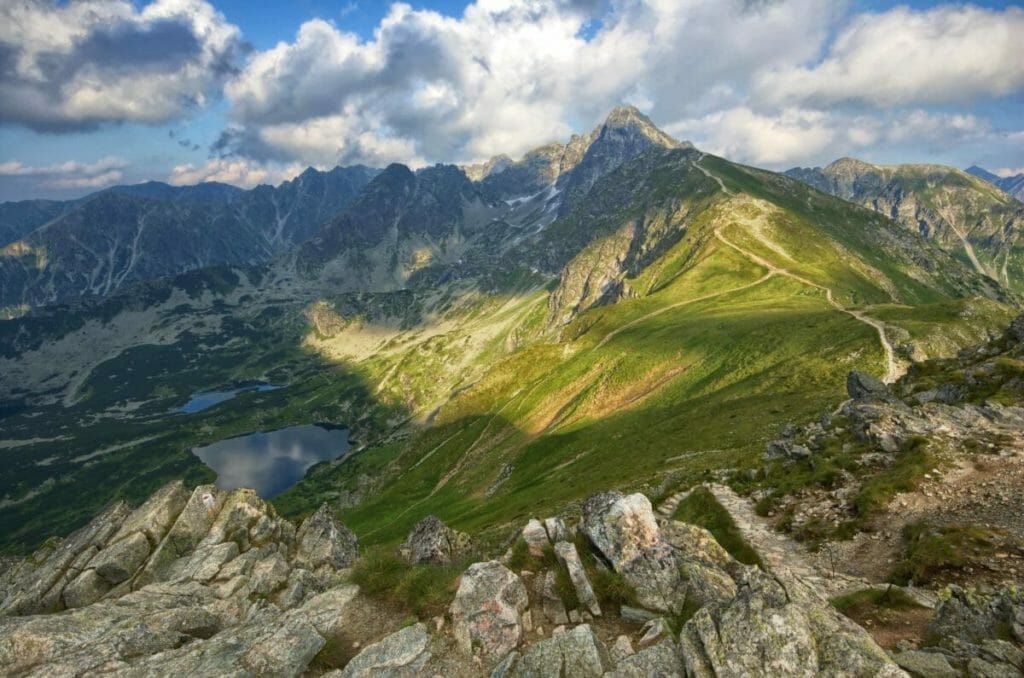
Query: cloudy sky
[95,92]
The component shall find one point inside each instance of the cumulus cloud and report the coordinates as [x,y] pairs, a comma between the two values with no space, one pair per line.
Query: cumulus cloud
[68,175]
[949,54]
[76,65]
[237,171]
[505,76]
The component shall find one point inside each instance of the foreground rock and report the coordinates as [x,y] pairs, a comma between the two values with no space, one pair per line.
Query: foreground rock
[431,541]
[203,581]
[401,654]
[486,612]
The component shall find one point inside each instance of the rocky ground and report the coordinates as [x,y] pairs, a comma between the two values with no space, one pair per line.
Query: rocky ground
[213,583]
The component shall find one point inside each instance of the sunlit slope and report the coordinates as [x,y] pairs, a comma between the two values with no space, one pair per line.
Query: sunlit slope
[730,301]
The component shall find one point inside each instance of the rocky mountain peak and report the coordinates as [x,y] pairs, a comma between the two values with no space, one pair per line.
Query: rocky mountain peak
[630,118]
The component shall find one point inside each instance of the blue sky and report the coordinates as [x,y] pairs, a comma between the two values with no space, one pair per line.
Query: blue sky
[111,91]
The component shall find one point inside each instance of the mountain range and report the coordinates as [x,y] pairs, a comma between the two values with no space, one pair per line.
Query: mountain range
[1013,185]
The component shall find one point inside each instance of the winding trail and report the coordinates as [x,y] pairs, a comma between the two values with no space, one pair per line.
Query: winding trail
[892,368]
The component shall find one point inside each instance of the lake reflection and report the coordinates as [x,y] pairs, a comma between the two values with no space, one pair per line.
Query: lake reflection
[201,401]
[271,462]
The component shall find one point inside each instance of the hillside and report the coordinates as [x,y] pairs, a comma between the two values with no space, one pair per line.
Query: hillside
[481,350]
[978,223]
[127,234]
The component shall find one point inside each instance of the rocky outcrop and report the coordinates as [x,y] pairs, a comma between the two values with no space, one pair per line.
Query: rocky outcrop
[486,612]
[204,581]
[400,655]
[572,653]
[570,559]
[765,632]
[431,541]
[324,542]
[861,385]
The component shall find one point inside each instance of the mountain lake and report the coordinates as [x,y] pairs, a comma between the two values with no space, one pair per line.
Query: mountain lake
[272,461]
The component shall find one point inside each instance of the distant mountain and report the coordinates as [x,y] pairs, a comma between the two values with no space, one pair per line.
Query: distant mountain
[1013,185]
[978,223]
[126,234]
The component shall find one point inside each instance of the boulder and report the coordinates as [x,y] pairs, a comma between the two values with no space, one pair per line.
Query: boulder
[578,652]
[765,632]
[1016,329]
[863,386]
[925,664]
[966,618]
[557,530]
[621,649]
[660,660]
[567,555]
[786,449]
[536,537]
[551,602]
[486,610]
[156,515]
[189,528]
[119,561]
[322,541]
[85,589]
[431,541]
[400,655]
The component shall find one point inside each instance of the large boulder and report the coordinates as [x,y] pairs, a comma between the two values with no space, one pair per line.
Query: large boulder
[765,632]
[861,386]
[431,541]
[666,574]
[322,541]
[119,561]
[660,660]
[190,527]
[401,655]
[578,652]
[486,612]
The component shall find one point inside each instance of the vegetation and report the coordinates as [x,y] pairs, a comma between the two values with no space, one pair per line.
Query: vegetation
[930,550]
[701,508]
[423,590]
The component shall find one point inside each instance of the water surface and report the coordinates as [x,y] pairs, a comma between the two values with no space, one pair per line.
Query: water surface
[270,462]
[207,399]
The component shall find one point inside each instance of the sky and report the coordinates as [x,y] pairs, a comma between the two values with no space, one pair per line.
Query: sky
[101,92]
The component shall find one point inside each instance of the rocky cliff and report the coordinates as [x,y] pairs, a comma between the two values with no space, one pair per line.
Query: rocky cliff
[215,583]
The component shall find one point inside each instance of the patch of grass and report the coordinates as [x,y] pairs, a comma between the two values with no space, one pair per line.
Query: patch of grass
[910,465]
[864,602]
[423,590]
[702,509]
[930,549]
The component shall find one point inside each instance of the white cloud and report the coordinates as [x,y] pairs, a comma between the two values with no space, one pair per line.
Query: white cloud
[80,64]
[953,53]
[1008,171]
[505,76]
[237,171]
[68,175]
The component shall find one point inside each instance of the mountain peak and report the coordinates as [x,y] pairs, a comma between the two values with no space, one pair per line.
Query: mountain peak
[627,117]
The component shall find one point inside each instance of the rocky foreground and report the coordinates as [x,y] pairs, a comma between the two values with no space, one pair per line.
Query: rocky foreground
[213,583]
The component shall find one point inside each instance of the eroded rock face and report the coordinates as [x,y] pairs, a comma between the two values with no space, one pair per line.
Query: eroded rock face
[486,612]
[763,632]
[431,541]
[178,586]
[323,541]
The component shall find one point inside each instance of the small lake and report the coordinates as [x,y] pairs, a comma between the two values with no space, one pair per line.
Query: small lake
[270,462]
[201,401]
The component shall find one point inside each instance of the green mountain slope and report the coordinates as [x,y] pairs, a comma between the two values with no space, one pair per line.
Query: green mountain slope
[494,358]
[977,222]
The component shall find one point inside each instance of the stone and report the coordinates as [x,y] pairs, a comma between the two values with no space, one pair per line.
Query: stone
[536,537]
[119,561]
[156,515]
[557,530]
[654,631]
[862,386]
[925,664]
[505,666]
[486,610]
[577,653]
[551,603]
[621,649]
[567,555]
[636,614]
[400,655]
[85,589]
[786,449]
[969,617]
[1016,329]
[660,660]
[322,541]
[765,631]
[431,541]
[326,611]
